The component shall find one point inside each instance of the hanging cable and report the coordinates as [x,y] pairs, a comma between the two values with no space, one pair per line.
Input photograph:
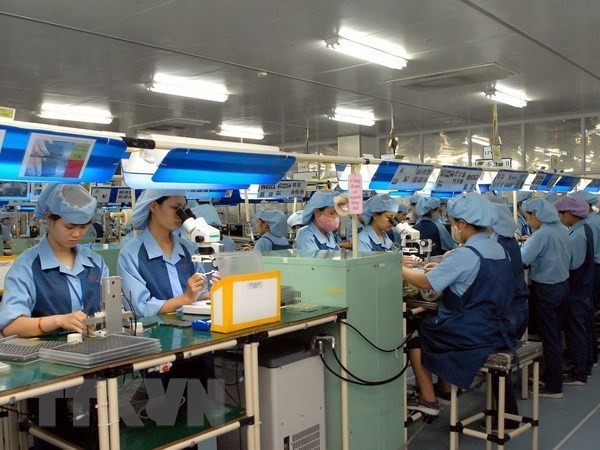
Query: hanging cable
[374,345]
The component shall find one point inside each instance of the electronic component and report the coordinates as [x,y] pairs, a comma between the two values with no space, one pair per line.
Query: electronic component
[177,323]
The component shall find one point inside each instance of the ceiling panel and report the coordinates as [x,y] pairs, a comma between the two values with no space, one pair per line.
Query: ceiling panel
[105,52]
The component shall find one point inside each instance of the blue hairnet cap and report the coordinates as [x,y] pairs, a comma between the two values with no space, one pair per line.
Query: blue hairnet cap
[320,199]
[426,204]
[378,204]
[523,195]
[474,209]
[403,209]
[495,198]
[505,225]
[444,200]
[295,218]
[575,205]
[543,209]
[275,219]
[552,197]
[413,199]
[588,197]
[208,213]
[69,201]
[141,210]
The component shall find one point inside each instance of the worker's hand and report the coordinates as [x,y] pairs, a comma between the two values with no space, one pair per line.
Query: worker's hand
[73,321]
[195,284]
[215,277]
[430,266]
[411,261]
[345,244]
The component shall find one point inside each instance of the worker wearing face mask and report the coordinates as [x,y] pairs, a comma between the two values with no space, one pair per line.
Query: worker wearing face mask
[321,222]
[428,210]
[271,225]
[572,212]
[473,317]
[378,213]
[548,253]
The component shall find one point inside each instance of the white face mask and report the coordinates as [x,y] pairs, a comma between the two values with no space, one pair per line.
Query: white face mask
[456,234]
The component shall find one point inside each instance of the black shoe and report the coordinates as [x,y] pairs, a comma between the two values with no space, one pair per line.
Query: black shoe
[418,404]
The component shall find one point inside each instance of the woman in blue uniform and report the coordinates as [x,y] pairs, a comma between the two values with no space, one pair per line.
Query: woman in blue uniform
[56,284]
[572,212]
[524,230]
[473,317]
[548,253]
[378,213]
[321,221]
[428,210]
[271,224]
[157,269]
[210,214]
[503,232]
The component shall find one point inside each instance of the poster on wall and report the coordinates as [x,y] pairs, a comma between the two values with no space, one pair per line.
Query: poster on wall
[48,155]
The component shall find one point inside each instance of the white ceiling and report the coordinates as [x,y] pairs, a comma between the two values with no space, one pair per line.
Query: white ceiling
[102,52]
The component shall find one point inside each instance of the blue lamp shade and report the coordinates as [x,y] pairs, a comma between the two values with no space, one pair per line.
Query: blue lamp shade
[227,170]
[49,156]
[394,175]
[565,184]
[593,186]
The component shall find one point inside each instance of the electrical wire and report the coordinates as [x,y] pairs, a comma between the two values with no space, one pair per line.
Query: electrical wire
[362,383]
[374,345]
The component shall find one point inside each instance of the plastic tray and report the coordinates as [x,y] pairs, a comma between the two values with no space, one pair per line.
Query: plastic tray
[15,349]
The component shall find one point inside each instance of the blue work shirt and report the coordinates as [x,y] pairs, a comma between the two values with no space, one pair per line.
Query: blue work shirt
[38,285]
[310,238]
[348,229]
[548,252]
[523,228]
[593,220]
[149,276]
[458,270]
[368,241]
[228,243]
[269,241]
[578,244]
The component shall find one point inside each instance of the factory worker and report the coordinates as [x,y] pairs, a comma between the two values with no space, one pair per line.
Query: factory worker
[428,211]
[55,284]
[503,232]
[400,217]
[473,317]
[443,217]
[271,224]
[523,228]
[412,215]
[378,213]
[321,221]
[294,222]
[6,225]
[572,212]
[156,266]
[348,228]
[210,214]
[548,253]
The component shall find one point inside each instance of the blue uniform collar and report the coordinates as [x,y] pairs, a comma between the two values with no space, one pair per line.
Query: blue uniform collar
[319,236]
[578,225]
[48,259]
[386,243]
[154,250]
[477,237]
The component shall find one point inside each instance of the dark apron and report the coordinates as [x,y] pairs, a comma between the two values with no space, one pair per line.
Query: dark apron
[377,247]
[579,310]
[275,246]
[467,328]
[429,230]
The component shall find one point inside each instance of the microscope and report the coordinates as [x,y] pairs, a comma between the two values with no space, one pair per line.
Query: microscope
[206,237]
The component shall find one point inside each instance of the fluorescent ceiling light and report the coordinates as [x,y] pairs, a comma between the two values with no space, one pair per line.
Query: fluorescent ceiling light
[355,116]
[184,87]
[506,95]
[241,132]
[366,52]
[75,113]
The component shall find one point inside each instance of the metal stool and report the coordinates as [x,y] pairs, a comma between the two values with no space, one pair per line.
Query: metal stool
[501,364]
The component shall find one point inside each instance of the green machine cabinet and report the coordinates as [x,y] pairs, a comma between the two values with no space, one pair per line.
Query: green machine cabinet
[371,287]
